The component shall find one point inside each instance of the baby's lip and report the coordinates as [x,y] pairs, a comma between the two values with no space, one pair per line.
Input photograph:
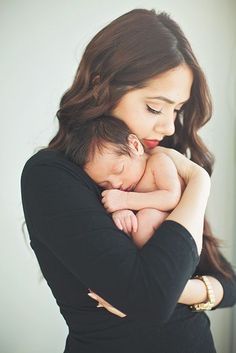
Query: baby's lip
[128,188]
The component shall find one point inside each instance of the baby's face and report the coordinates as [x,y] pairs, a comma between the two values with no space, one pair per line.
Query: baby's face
[111,171]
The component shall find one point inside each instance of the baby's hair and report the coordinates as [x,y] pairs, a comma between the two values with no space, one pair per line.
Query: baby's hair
[95,134]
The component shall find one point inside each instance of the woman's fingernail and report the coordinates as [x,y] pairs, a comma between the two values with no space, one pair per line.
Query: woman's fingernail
[92,296]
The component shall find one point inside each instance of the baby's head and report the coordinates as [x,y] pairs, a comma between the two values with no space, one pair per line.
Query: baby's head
[112,156]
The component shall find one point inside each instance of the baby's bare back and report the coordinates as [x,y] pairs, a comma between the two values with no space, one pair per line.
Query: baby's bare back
[159,172]
[154,175]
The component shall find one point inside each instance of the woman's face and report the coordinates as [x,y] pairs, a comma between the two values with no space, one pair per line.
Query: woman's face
[150,112]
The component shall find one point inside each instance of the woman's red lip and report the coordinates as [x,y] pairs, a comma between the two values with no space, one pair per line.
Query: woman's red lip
[151,143]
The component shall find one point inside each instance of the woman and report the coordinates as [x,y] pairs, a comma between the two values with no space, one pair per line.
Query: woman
[141,69]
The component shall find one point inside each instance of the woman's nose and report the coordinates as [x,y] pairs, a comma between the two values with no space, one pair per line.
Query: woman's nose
[167,126]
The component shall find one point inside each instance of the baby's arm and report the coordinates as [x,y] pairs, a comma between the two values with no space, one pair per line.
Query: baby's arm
[168,184]
[149,219]
[139,227]
[166,179]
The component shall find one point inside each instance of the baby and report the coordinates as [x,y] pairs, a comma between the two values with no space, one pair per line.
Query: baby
[140,190]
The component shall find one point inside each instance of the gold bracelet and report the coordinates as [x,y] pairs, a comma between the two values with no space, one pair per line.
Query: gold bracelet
[208,305]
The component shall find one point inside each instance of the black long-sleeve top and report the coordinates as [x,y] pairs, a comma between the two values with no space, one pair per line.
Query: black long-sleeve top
[79,247]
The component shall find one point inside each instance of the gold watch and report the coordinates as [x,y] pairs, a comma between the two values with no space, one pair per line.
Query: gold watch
[208,305]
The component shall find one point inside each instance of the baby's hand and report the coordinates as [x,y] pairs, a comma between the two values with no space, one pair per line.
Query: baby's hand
[114,200]
[125,220]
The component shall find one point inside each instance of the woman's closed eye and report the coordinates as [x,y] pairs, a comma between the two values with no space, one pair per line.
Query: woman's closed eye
[154,111]
[179,110]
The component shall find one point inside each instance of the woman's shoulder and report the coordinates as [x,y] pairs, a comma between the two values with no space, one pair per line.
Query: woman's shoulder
[47,156]
[52,161]
[48,159]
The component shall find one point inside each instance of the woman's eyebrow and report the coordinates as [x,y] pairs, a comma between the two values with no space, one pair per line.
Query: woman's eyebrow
[167,100]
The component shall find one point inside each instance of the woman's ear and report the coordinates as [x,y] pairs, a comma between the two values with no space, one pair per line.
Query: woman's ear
[135,145]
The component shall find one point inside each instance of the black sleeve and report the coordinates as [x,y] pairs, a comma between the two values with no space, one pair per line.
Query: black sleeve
[228,284]
[63,213]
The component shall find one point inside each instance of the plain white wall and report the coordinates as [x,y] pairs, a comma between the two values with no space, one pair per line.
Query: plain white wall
[41,44]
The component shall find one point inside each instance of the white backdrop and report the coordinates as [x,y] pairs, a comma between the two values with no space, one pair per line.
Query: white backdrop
[41,44]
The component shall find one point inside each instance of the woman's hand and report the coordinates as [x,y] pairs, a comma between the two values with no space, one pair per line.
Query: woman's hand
[105,304]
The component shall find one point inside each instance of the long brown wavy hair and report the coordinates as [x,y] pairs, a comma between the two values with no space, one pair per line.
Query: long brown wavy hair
[123,56]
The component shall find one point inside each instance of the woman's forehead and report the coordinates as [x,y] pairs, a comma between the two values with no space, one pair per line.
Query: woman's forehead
[174,85]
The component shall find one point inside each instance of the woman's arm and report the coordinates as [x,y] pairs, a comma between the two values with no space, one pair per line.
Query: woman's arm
[228,284]
[190,210]
[225,288]
[64,213]
[229,291]
[195,291]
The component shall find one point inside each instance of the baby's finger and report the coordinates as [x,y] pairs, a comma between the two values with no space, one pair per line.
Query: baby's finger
[124,227]
[118,223]
[134,223]
[128,223]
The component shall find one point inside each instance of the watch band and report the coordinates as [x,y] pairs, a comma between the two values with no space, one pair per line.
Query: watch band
[208,305]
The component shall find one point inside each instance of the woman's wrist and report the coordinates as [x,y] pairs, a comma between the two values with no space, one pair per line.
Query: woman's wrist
[195,291]
[217,288]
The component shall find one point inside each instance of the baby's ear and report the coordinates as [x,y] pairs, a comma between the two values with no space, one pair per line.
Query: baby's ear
[135,145]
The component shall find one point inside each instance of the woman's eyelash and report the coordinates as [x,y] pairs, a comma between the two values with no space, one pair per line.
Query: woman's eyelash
[179,110]
[159,111]
[153,110]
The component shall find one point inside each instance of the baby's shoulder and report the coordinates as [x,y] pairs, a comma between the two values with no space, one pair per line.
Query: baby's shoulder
[158,157]
[160,162]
